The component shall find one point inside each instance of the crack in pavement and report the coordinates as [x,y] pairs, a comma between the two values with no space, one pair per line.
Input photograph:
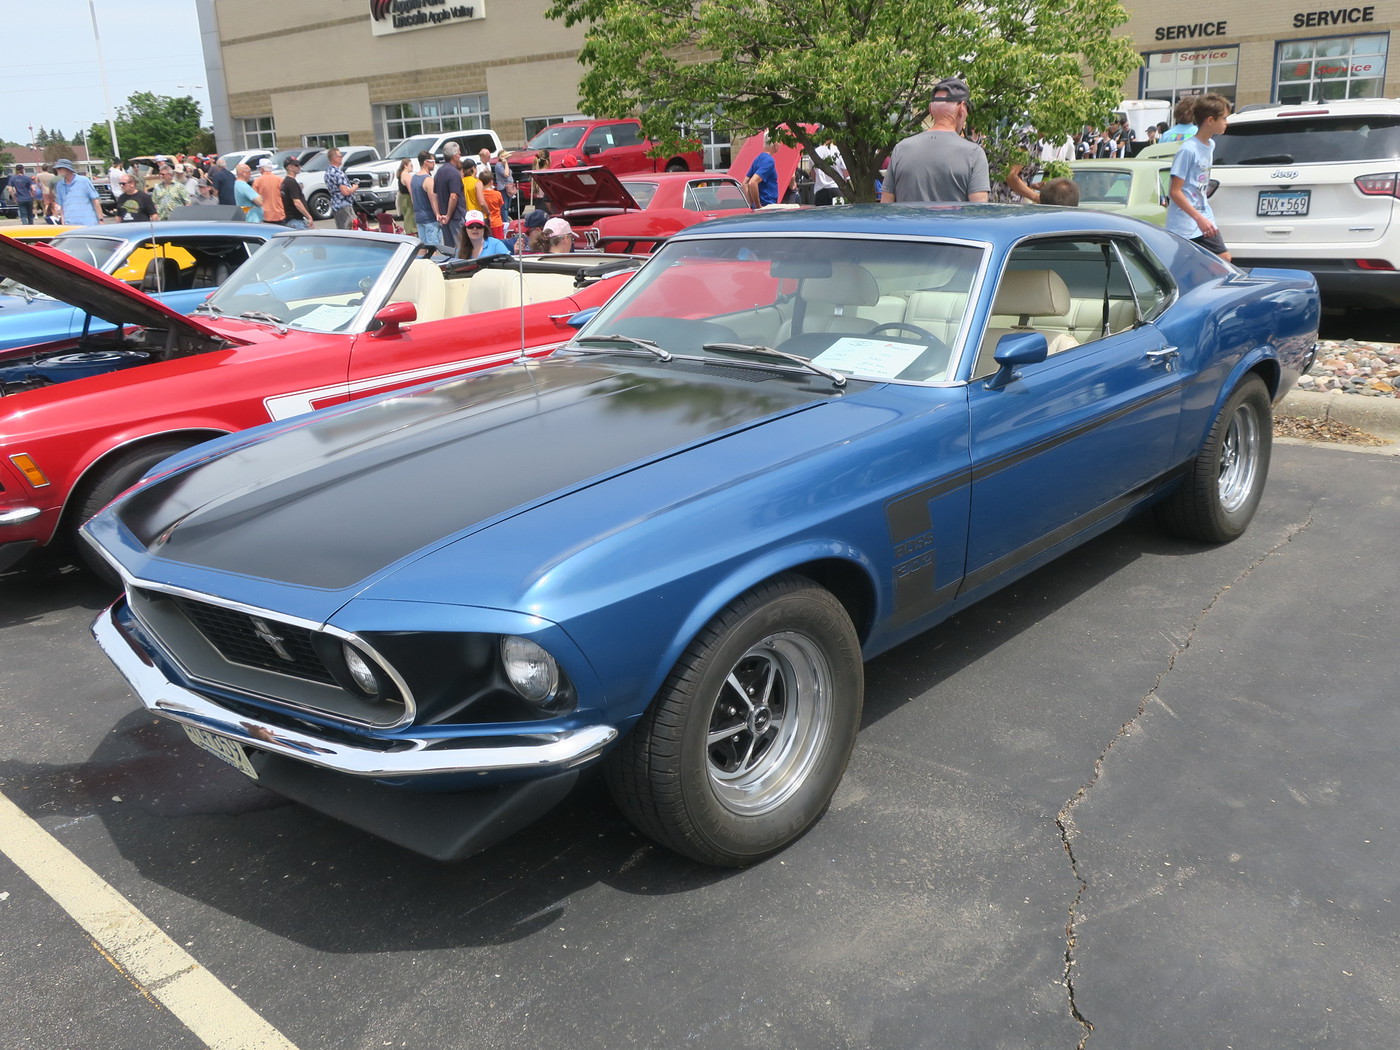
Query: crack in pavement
[1064,820]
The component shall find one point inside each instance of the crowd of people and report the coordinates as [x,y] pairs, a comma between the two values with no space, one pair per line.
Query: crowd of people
[463,204]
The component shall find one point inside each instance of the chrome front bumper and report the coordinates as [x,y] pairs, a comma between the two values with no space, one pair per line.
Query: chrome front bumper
[405,757]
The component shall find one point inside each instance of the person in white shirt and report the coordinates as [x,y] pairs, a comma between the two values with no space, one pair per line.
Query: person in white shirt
[825,187]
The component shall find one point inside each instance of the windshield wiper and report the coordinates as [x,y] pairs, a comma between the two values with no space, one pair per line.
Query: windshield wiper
[1268,158]
[837,379]
[263,315]
[655,349]
[207,308]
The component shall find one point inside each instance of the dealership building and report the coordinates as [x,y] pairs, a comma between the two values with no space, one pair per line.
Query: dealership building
[319,72]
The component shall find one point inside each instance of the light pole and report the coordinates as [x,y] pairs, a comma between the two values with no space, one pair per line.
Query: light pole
[102,72]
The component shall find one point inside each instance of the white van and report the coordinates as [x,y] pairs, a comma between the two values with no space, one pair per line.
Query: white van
[1142,113]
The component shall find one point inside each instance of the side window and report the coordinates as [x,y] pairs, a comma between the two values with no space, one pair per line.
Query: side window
[599,139]
[1074,291]
[625,135]
[1151,288]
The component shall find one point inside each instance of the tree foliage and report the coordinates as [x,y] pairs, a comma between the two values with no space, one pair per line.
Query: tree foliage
[863,69]
[149,124]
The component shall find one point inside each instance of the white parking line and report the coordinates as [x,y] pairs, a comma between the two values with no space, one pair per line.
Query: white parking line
[159,967]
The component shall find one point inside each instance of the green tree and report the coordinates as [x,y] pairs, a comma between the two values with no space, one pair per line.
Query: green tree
[149,124]
[863,69]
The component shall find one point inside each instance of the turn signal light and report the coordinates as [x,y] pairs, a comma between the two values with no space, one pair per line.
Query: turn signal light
[30,470]
[1386,184]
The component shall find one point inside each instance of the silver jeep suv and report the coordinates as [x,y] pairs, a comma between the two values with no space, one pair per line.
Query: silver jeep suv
[1316,187]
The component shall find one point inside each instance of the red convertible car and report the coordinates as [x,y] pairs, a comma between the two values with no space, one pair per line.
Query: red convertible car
[314,318]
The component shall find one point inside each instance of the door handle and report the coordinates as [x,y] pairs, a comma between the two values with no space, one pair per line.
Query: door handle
[1167,355]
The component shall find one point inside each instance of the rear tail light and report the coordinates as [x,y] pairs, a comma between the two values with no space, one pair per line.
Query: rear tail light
[1386,184]
[1212,186]
[1373,264]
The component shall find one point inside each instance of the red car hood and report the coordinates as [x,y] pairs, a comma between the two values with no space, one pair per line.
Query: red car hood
[786,159]
[64,278]
[571,189]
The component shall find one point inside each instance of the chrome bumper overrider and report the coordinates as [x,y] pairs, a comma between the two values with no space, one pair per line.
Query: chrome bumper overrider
[19,515]
[408,758]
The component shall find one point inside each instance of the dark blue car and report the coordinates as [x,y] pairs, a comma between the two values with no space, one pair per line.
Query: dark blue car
[180,263]
[790,442]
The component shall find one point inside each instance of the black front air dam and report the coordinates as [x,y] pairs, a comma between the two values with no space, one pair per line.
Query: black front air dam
[445,827]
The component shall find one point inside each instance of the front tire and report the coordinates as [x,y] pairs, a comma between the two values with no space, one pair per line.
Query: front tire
[320,205]
[743,747]
[1225,482]
[114,479]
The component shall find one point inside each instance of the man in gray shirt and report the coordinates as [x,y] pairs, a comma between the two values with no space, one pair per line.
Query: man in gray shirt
[939,164]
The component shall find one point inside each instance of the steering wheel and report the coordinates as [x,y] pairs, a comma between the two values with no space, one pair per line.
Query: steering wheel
[894,326]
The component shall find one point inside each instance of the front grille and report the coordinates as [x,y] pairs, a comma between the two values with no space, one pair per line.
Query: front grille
[255,642]
[365,182]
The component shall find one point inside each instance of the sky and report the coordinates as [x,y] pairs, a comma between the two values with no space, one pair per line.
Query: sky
[52,78]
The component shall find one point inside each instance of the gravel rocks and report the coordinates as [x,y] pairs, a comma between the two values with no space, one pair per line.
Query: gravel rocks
[1353,367]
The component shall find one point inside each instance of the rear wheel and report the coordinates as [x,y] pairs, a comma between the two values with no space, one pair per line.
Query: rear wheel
[319,205]
[677,165]
[745,744]
[1225,482]
[114,479]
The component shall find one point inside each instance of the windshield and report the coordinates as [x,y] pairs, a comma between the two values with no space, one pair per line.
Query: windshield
[1102,185]
[412,147]
[872,308]
[320,162]
[312,282]
[1310,140]
[642,192]
[557,136]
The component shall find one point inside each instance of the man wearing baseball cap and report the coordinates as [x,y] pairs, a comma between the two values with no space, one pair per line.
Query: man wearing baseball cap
[939,164]
[74,196]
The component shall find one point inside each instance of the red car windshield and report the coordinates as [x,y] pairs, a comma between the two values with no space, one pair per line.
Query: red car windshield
[557,136]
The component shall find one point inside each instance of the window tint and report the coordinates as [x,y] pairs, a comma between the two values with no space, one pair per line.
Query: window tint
[1310,140]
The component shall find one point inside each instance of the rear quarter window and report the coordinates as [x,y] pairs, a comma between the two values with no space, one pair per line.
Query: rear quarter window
[1310,140]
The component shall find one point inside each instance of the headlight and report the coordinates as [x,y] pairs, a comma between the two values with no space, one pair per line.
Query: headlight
[360,671]
[531,670]
[383,178]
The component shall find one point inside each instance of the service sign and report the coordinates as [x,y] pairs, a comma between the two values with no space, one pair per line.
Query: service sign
[398,16]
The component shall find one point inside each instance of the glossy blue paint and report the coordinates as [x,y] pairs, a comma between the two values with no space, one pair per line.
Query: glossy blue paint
[646,495]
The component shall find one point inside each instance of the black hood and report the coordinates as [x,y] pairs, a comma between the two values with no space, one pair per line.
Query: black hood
[336,499]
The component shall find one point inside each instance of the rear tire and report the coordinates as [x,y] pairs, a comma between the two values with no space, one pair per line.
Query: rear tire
[677,165]
[100,490]
[1225,482]
[745,744]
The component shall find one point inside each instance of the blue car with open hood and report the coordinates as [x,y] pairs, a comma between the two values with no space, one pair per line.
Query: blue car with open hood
[788,443]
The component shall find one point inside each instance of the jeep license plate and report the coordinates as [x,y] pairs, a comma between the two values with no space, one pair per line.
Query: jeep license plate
[222,748]
[1280,203]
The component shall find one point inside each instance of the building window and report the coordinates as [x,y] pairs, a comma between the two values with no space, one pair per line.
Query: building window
[257,133]
[397,121]
[1332,68]
[534,125]
[715,147]
[1171,75]
[339,138]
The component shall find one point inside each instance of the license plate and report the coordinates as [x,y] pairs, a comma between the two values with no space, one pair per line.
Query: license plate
[222,748]
[1274,203]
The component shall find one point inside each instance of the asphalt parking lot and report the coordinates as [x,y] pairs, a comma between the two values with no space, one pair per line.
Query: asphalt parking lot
[1149,790]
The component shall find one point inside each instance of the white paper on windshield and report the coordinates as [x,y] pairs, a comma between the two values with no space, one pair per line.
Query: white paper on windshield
[868,357]
[327,318]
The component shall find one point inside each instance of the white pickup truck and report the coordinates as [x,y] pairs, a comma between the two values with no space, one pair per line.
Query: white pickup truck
[377,179]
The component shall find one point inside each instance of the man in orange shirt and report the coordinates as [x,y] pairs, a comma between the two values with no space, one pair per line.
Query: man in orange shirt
[494,203]
[269,187]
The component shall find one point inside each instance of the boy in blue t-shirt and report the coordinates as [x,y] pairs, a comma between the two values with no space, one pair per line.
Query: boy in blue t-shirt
[1188,210]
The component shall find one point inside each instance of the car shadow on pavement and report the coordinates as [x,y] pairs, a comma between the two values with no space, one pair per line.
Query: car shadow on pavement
[46,581]
[187,822]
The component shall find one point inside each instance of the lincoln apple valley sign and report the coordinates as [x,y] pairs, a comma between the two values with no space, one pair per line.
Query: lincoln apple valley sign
[397,16]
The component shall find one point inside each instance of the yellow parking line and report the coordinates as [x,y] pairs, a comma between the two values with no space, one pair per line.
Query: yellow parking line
[159,967]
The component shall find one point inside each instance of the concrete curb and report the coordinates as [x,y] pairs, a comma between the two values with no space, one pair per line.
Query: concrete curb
[1375,415]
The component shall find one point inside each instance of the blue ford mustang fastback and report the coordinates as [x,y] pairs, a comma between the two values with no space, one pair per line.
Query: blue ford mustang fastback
[788,443]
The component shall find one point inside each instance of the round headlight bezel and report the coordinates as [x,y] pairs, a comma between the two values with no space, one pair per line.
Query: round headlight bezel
[530,669]
[362,671]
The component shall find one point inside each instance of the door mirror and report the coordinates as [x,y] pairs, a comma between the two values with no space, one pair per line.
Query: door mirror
[1015,350]
[388,320]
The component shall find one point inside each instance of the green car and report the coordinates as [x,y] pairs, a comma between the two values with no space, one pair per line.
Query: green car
[1133,186]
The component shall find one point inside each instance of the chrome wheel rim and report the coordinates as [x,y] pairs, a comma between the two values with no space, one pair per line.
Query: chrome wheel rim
[769,723]
[1239,458]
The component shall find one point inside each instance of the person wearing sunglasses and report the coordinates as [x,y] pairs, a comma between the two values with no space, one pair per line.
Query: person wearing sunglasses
[169,193]
[939,164]
[134,204]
